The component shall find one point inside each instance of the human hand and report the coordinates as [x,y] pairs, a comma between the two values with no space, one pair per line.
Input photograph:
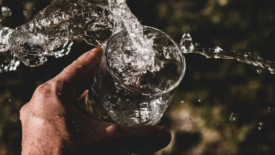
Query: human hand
[53,122]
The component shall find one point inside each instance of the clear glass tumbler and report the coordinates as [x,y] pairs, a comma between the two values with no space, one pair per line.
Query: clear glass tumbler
[112,98]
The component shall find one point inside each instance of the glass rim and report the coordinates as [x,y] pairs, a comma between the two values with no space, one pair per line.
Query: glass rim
[174,86]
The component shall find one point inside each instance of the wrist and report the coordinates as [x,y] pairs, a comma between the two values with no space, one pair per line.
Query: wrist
[44,140]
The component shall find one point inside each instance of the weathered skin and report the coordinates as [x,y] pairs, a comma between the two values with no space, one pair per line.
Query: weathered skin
[54,124]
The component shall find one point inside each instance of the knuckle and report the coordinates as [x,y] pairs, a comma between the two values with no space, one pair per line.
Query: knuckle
[49,88]
[43,89]
[55,85]
[46,101]
[44,95]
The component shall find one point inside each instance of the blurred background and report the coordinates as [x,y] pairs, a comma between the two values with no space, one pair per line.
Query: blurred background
[222,107]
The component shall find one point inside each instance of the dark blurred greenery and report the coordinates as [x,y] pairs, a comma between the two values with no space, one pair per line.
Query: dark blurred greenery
[211,89]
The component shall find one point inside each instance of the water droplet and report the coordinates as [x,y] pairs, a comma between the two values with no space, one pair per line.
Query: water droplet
[259,71]
[232,117]
[217,57]
[197,44]
[66,16]
[10,100]
[6,11]
[261,124]
[25,13]
[186,44]
[199,100]
[218,50]
[269,109]
[182,101]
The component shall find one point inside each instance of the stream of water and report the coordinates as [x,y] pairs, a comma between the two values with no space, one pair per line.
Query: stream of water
[187,47]
[52,32]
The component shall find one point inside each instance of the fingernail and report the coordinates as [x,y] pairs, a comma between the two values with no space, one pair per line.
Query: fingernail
[164,137]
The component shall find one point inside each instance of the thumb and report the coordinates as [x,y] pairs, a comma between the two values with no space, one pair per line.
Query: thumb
[145,139]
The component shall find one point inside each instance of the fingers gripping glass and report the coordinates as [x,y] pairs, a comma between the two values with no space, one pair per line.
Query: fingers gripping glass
[123,94]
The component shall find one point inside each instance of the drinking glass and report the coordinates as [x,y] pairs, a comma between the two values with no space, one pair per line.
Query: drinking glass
[111,98]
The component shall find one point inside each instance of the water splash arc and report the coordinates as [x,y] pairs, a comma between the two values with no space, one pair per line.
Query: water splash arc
[52,31]
[187,46]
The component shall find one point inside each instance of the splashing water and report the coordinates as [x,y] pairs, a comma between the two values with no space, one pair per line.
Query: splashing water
[188,47]
[6,11]
[261,124]
[232,117]
[52,31]
[25,13]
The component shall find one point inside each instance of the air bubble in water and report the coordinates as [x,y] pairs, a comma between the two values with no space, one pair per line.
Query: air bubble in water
[10,100]
[6,11]
[182,101]
[260,128]
[261,123]
[232,117]
[199,100]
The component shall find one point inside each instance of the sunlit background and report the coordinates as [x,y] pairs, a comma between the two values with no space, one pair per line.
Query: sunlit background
[222,107]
